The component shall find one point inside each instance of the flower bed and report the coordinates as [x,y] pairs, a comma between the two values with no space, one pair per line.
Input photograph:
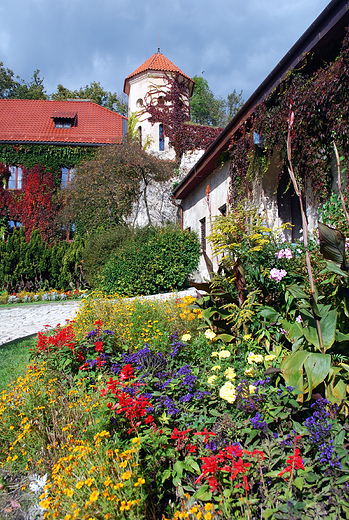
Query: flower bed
[42,296]
[139,410]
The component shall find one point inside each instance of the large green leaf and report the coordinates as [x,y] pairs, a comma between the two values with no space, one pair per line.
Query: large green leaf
[333,268]
[269,313]
[297,291]
[292,368]
[328,328]
[317,367]
[332,243]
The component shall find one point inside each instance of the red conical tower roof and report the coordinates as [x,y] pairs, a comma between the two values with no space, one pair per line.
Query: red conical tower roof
[157,62]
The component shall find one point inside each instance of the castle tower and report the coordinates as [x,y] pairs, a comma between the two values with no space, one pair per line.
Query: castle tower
[152,74]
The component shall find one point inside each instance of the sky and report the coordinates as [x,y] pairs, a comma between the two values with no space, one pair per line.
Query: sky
[233,44]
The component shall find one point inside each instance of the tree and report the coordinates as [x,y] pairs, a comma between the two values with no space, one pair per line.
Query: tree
[104,189]
[7,82]
[33,90]
[96,93]
[206,109]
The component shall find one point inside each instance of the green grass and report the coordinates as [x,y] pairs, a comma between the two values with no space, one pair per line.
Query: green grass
[14,358]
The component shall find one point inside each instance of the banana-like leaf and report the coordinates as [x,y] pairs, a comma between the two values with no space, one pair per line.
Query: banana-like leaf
[317,367]
[292,369]
[328,328]
[297,292]
[269,313]
[227,338]
[332,244]
[336,393]
[333,268]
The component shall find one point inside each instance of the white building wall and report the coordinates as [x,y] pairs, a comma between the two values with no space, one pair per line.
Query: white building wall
[140,86]
[195,208]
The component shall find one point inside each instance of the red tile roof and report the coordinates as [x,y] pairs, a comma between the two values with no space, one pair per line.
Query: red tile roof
[157,62]
[32,121]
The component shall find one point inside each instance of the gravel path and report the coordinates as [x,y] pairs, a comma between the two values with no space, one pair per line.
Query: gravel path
[23,320]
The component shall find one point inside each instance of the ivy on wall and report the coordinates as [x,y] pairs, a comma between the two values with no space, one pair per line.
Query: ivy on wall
[52,157]
[319,94]
[174,114]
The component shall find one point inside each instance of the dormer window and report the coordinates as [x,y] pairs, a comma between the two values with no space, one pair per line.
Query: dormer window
[63,123]
[64,119]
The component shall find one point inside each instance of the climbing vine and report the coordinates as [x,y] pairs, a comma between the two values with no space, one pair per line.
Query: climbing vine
[174,114]
[51,156]
[319,93]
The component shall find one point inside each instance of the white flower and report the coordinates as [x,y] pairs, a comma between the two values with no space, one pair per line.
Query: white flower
[228,392]
[209,334]
[254,358]
[230,373]
[224,354]
[186,337]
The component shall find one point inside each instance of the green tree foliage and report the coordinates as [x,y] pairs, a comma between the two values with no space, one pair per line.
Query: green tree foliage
[105,188]
[206,109]
[34,265]
[99,246]
[96,93]
[16,88]
[154,260]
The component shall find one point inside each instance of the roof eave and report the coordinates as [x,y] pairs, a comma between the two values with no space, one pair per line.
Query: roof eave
[336,12]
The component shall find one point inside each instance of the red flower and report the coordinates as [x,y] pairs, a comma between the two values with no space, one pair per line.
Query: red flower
[149,419]
[206,433]
[98,323]
[99,346]
[176,434]
[126,373]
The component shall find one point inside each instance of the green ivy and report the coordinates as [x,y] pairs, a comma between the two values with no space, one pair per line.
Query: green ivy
[51,156]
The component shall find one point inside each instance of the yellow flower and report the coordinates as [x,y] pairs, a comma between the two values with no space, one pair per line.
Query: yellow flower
[247,337]
[139,482]
[94,496]
[250,372]
[186,337]
[216,367]
[270,357]
[211,379]
[254,358]
[126,475]
[209,334]
[228,392]
[224,354]
[230,373]
[214,354]
[252,389]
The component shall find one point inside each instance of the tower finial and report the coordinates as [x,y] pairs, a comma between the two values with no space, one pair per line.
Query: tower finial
[158,42]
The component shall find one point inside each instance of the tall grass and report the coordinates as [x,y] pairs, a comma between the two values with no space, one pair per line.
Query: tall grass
[14,358]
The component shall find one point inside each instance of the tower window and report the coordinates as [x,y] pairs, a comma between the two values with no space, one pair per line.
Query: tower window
[161,137]
[139,103]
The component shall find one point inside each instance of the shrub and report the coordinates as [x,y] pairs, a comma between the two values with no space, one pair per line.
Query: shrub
[34,265]
[98,248]
[155,260]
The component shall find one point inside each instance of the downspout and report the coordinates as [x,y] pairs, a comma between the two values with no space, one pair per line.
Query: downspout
[180,212]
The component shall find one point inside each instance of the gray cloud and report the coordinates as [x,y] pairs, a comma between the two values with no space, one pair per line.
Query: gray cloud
[74,42]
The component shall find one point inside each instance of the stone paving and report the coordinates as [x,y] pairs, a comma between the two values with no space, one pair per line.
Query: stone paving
[23,320]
